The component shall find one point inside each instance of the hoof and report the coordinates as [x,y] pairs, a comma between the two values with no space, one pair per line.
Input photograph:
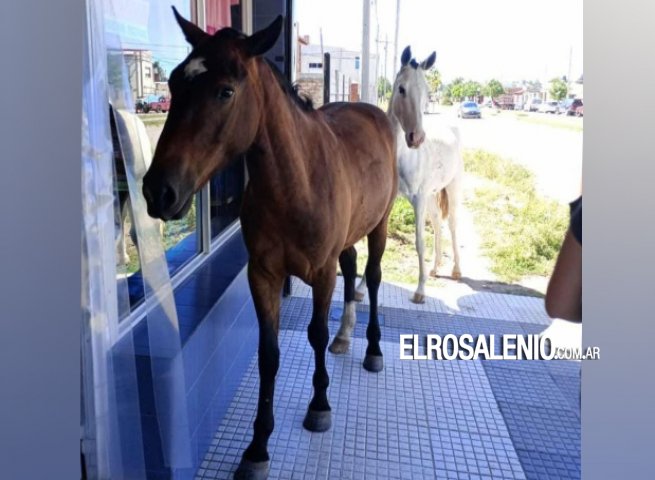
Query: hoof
[373,363]
[418,298]
[456,274]
[433,273]
[316,421]
[359,296]
[339,345]
[248,470]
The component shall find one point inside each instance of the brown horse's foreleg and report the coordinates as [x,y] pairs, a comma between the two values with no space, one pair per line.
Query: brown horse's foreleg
[318,418]
[377,240]
[266,289]
[348,263]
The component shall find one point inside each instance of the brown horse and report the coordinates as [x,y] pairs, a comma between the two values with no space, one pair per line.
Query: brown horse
[320,180]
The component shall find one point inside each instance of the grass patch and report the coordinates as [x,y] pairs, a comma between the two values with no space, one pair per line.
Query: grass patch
[521,232]
[400,260]
[566,123]
[153,119]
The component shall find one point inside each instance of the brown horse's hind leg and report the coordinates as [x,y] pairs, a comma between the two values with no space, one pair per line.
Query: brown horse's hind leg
[318,418]
[377,240]
[348,263]
[266,289]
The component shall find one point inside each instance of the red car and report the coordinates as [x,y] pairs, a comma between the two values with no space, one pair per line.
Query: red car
[572,109]
[160,106]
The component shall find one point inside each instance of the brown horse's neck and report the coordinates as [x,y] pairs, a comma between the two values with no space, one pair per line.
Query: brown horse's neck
[277,158]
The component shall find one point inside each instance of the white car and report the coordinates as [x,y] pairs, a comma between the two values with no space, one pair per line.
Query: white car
[549,107]
[532,105]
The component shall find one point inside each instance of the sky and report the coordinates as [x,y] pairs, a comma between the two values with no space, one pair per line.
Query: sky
[509,40]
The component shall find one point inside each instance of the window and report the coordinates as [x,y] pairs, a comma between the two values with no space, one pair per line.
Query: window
[315,65]
[138,39]
[226,188]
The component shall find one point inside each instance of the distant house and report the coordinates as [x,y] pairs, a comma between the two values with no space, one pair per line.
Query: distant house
[345,70]
[140,72]
[511,99]
[576,89]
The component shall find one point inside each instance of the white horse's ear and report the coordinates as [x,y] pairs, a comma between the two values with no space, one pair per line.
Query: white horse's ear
[193,34]
[428,62]
[406,56]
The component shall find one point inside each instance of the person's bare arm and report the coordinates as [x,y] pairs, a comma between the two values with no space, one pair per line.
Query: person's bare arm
[564,294]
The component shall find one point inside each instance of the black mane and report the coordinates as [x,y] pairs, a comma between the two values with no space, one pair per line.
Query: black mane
[305,103]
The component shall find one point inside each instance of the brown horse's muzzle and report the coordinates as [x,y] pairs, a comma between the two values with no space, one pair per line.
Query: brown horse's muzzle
[165,197]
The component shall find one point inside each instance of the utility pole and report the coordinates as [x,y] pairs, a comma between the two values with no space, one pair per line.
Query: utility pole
[568,76]
[395,39]
[366,47]
[377,54]
[386,57]
[386,44]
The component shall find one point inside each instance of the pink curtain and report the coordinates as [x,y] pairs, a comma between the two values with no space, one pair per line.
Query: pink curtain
[218,14]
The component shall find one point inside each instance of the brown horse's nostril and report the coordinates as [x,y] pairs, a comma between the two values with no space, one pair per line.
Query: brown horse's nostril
[160,196]
[168,196]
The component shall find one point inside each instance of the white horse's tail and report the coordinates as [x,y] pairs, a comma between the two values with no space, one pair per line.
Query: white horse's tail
[443,203]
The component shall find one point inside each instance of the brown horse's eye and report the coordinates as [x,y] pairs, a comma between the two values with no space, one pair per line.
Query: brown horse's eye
[225,93]
[401,89]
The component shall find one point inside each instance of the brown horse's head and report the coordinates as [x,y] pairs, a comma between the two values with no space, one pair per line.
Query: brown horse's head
[214,116]
[410,96]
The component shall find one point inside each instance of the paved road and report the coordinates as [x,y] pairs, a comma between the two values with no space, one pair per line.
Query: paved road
[553,154]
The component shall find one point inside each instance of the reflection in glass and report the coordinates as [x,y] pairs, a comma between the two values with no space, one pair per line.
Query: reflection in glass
[144,44]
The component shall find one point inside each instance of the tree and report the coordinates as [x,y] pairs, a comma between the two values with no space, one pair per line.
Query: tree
[456,89]
[433,78]
[159,72]
[472,89]
[384,88]
[558,89]
[493,89]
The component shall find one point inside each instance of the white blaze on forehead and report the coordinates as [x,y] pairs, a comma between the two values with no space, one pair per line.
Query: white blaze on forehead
[195,67]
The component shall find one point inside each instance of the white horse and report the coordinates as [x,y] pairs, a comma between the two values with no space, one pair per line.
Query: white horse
[430,169]
[123,206]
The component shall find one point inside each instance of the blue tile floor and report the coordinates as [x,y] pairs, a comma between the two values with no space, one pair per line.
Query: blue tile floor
[481,419]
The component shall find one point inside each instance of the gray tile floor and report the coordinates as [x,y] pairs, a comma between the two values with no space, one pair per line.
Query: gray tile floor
[416,419]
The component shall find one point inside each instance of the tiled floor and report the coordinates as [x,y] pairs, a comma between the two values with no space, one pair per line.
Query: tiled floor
[416,419]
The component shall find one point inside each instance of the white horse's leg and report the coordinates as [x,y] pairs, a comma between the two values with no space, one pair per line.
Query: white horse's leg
[360,291]
[348,263]
[435,217]
[419,205]
[121,245]
[453,190]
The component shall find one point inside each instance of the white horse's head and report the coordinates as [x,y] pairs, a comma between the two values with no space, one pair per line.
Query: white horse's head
[411,95]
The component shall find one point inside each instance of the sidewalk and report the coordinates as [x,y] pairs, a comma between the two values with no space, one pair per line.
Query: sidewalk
[415,419]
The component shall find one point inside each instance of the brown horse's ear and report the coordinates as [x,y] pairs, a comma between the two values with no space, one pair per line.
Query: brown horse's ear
[428,62]
[262,41]
[406,56]
[192,33]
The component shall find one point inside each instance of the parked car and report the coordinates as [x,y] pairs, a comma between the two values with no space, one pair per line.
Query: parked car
[532,105]
[579,111]
[469,110]
[548,107]
[571,110]
[161,105]
[140,105]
